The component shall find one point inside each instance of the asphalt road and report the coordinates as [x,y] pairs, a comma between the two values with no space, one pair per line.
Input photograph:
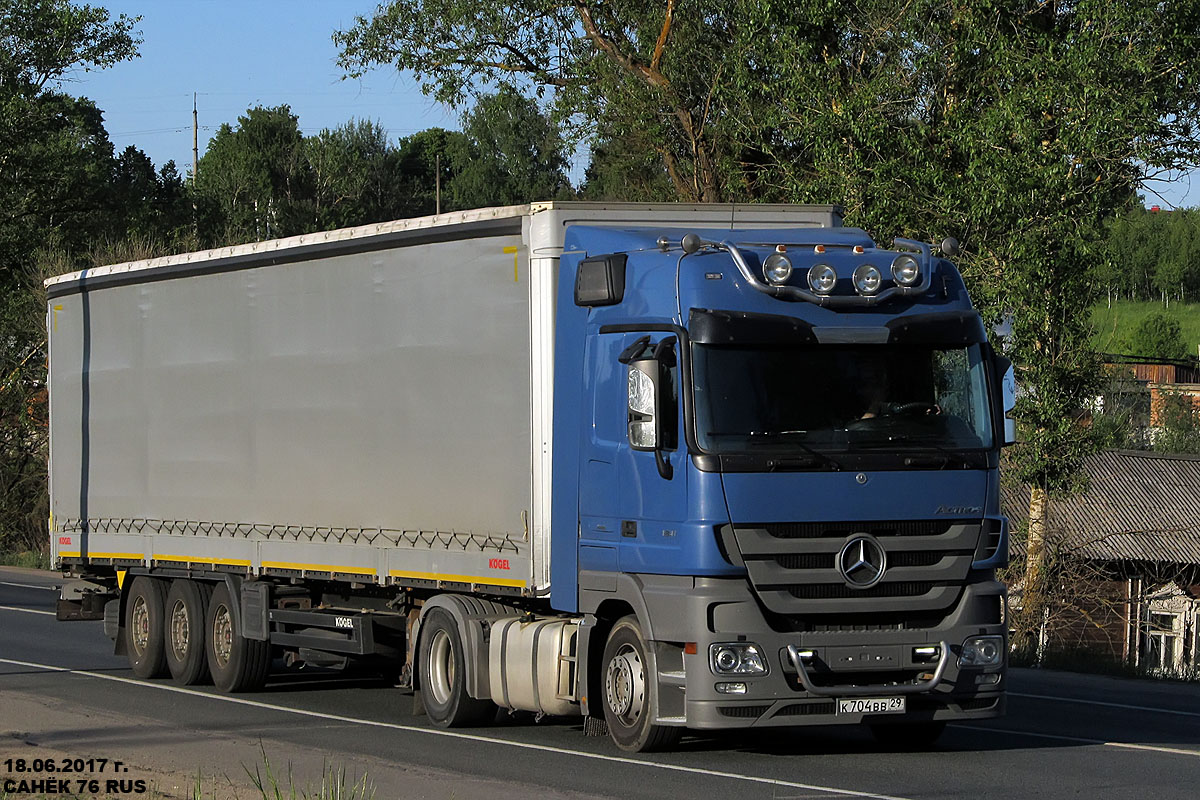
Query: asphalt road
[63,695]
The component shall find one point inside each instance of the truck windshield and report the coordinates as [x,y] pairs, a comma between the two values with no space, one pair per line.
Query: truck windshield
[840,398]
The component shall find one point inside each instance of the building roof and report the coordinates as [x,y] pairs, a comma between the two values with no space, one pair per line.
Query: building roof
[1138,506]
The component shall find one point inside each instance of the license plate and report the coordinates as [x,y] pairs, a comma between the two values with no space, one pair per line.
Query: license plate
[871,705]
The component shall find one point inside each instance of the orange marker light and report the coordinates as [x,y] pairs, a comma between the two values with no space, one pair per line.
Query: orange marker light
[858,249]
[689,648]
[819,249]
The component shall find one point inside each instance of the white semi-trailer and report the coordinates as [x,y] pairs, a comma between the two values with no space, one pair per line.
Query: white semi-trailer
[544,457]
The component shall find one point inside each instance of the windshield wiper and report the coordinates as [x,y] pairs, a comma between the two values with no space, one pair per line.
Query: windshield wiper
[922,442]
[783,463]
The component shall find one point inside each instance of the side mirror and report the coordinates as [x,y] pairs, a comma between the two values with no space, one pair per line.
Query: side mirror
[652,418]
[1007,381]
[644,376]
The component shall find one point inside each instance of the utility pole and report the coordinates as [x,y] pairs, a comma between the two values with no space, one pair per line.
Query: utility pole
[195,141]
[437,183]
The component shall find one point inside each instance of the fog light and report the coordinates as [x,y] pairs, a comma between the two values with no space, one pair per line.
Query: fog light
[730,688]
[739,658]
[867,279]
[987,679]
[982,651]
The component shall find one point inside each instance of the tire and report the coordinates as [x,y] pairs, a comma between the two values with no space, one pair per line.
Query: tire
[185,611]
[237,664]
[443,675]
[908,736]
[630,684]
[144,612]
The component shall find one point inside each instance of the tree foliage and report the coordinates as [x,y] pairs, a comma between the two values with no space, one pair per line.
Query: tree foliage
[1158,336]
[55,168]
[517,154]
[1152,256]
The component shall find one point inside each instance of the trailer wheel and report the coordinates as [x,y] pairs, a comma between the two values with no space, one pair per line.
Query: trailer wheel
[237,664]
[908,736]
[444,675]
[629,691]
[187,604]
[144,627]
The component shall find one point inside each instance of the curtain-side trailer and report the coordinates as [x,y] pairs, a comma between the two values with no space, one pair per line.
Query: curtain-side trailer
[663,466]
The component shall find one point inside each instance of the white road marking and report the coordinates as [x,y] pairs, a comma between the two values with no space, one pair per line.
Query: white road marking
[455,734]
[1108,705]
[29,586]
[1081,740]
[28,610]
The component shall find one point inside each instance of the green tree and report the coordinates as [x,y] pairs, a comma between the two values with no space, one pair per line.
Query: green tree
[1159,336]
[517,154]
[253,181]
[1179,429]
[55,167]
[640,67]
[418,164]
[355,174]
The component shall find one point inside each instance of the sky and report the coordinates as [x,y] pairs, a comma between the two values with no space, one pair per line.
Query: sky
[235,54]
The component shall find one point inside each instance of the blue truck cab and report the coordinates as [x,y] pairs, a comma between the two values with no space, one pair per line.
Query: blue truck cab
[775,483]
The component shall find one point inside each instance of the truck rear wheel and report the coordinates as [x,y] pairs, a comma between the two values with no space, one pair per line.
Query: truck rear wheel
[444,675]
[187,604]
[144,627]
[237,664]
[630,685]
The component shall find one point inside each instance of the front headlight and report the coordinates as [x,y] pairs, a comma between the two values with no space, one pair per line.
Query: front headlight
[982,651]
[737,659]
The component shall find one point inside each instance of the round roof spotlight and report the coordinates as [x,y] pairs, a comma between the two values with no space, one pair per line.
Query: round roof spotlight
[777,267]
[867,279]
[822,278]
[906,271]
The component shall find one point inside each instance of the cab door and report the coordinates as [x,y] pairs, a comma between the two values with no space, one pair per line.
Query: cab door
[632,497]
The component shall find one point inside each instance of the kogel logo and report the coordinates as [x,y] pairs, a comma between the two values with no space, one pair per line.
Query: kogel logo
[498,563]
[64,540]
[343,622]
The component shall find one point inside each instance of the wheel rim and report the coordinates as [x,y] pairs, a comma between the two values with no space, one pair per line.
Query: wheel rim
[222,639]
[625,685]
[440,679]
[180,630]
[140,619]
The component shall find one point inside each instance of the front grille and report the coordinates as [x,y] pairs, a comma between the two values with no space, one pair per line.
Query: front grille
[840,530]
[807,561]
[794,566]
[827,591]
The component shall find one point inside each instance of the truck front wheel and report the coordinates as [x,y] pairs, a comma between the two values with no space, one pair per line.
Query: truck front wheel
[630,687]
[144,627]
[237,664]
[187,604]
[444,675]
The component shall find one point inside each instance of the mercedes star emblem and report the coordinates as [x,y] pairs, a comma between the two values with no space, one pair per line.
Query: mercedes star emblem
[862,561]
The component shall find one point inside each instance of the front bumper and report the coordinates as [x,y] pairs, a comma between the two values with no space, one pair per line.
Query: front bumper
[850,661]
